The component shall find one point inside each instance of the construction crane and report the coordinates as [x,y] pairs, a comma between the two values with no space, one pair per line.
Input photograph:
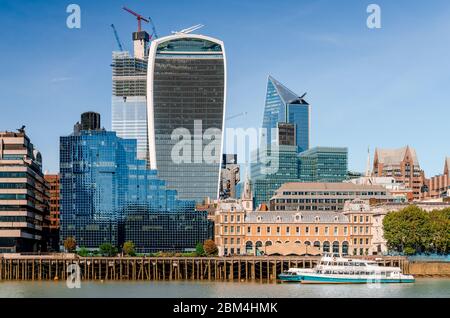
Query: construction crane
[117,37]
[138,17]
[154,35]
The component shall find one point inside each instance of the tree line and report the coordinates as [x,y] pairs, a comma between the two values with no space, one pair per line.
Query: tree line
[413,230]
[207,248]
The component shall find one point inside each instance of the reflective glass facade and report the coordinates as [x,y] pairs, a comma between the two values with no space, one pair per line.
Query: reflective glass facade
[160,231]
[129,100]
[102,183]
[323,164]
[265,185]
[187,86]
[283,105]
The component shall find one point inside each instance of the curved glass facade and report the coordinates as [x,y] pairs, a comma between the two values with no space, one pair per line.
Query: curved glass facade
[187,89]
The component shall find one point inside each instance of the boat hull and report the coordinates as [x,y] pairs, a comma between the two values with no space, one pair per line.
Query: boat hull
[308,279]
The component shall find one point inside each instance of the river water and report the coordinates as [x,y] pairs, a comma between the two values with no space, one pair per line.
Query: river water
[428,288]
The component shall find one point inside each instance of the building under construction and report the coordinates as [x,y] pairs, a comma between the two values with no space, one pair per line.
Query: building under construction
[129,89]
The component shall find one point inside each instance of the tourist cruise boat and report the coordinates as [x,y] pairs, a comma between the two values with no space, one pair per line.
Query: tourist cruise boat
[333,269]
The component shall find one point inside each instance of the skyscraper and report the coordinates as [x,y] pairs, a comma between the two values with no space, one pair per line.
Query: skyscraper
[323,164]
[186,91]
[23,195]
[284,106]
[129,91]
[103,185]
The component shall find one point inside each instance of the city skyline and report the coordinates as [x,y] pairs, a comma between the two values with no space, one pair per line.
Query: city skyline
[65,80]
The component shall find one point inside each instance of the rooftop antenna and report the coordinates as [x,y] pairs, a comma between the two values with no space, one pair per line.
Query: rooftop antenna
[189,30]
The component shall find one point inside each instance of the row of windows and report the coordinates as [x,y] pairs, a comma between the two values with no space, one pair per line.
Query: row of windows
[269,230]
[327,193]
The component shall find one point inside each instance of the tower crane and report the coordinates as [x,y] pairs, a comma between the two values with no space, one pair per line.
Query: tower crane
[117,37]
[138,17]
[155,35]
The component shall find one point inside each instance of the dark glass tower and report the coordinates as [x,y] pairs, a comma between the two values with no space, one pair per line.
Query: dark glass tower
[186,90]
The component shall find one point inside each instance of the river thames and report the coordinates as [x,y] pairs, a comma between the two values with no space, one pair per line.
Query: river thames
[423,287]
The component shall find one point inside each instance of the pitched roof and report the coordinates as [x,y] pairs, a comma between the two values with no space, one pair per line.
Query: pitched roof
[395,156]
[288,96]
[328,186]
[290,217]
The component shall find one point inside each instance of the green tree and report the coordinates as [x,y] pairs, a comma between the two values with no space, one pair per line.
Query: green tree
[70,244]
[407,228]
[210,248]
[83,252]
[439,229]
[199,250]
[128,248]
[107,249]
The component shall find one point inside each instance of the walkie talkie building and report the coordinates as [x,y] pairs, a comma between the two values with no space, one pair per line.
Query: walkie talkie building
[186,89]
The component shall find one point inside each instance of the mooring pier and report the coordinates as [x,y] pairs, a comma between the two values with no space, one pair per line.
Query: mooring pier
[255,269]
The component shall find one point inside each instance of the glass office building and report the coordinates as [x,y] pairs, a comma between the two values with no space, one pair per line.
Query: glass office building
[284,106]
[103,182]
[129,100]
[186,91]
[323,164]
[161,231]
[283,159]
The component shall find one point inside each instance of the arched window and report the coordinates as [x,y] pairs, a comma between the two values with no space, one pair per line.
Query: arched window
[345,248]
[307,243]
[249,247]
[286,242]
[326,247]
[269,243]
[259,249]
[298,242]
[335,247]
[298,218]
[317,244]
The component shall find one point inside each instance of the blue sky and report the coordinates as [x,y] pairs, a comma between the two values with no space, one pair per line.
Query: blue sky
[378,88]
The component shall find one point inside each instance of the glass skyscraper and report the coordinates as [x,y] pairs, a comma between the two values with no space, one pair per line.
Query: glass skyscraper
[323,164]
[129,101]
[284,106]
[186,91]
[266,182]
[104,186]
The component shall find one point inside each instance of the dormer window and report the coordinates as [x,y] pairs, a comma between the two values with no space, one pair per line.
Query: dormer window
[298,218]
